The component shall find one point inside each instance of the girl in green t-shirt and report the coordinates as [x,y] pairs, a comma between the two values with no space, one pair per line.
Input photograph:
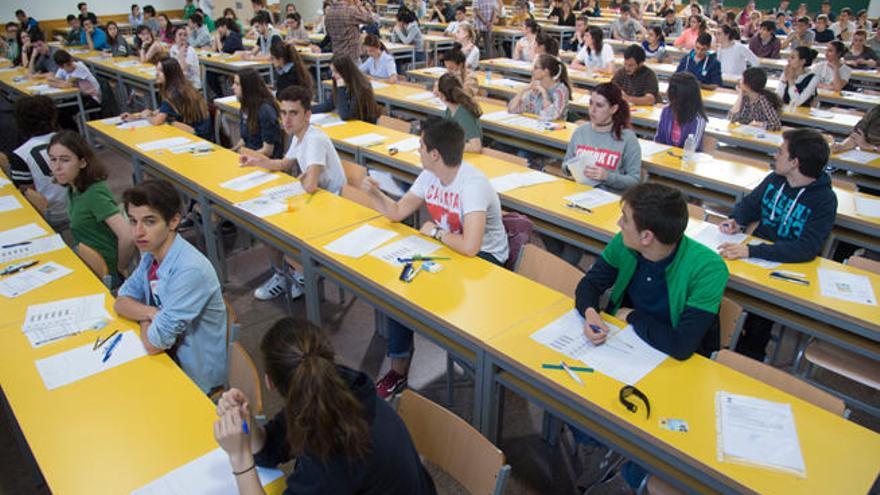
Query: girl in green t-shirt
[96,220]
[462,109]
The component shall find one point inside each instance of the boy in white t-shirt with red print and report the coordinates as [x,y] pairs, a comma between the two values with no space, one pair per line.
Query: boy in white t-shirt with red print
[465,215]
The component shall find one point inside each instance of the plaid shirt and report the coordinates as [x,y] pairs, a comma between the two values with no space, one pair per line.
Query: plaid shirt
[757,109]
[486,9]
[342,23]
[642,83]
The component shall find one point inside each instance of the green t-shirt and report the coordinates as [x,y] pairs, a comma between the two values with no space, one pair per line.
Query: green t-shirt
[189,10]
[468,121]
[88,212]
[210,24]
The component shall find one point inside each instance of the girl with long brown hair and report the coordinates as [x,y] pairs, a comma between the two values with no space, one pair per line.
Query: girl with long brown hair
[455,62]
[462,109]
[290,70]
[260,127]
[343,437]
[352,97]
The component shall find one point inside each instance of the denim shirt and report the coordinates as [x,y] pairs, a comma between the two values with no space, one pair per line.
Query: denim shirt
[191,311]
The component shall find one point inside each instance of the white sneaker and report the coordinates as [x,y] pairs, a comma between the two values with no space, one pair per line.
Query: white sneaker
[298,277]
[295,291]
[271,288]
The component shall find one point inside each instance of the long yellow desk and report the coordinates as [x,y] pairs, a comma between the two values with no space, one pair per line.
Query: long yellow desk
[109,433]
[126,71]
[230,64]
[15,83]
[840,457]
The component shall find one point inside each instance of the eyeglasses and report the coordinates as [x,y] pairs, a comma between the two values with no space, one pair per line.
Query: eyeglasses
[629,390]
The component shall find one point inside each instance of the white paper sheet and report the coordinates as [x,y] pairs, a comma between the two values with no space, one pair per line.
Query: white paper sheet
[127,63]
[52,321]
[242,63]
[112,120]
[284,191]
[9,203]
[407,247]
[757,432]
[360,241]
[427,95]
[163,143]
[209,474]
[711,236]
[435,70]
[4,182]
[378,85]
[593,198]
[850,287]
[859,156]
[508,83]
[325,120]
[233,99]
[43,89]
[134,124]
[650,148]
[520,63]
[193,147]
[387,183]
[262,206]
[516,180]
[821,114]
[760,134]
[867,206]
[496,116]
[406,145]
[366,140]
[770,265]
[32,278]
[526,122]
[624,356]
[20,234]
[32,248]
[84,361]
[249,181]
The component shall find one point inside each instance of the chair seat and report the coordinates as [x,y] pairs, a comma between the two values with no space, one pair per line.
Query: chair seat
[845,363]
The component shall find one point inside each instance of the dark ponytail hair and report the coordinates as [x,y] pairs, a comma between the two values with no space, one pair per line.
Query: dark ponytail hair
[658,32]
[731,33]
[620,120]
[450,87]
[324,419]
[289,55]
[807,54]
[557,69]
[597,36]
[685,98]
[359,88]
[756,80]
[373,41]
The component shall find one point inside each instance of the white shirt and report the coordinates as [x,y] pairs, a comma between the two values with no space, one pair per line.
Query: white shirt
[596,60]
[383,68]
[192,72]
[735,59]
[473,58]
[825,73]
[470,191]
[35,154]
[85,81]
[316,150]
[837,28]
[452,27]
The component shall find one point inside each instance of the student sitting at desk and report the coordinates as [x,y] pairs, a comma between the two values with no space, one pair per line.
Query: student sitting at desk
[116,41]
[578,39]
[151,50]
[344,439]
[802,35]
[197,32]
[765,44]
[524,50]
[455,63]
[688,38]
[312,152]
[666,285]
[379,63]
[798,86]
[654,45]
[74,74]
[227,38]
[181,102]
[865,135]
[259,126]
[37,120]
[833,74]
[408,32]
[467,37]
[461,108]
[625,27]
[352,96]
[860,56]
[548,94]
[702,64]
[186,56]
[733,56]
[465,215]
[546,43]
[74,35]
[165,33]
[671,25]
[596,55]
[638,82]
[822,32]
[685,115]
[296,33]
[794,208]
[93,36]
[266,35]
[290,70]
[95,218]
[41,62]
[755,104]
[174,293]
[460,18]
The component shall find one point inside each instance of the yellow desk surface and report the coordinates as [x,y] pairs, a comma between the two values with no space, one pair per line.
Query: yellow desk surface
[144,72]
[459,295]
[231,60]
[840,456]
[7,78]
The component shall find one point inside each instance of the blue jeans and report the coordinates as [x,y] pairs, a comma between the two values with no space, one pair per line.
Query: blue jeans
[400,337]
[632,473]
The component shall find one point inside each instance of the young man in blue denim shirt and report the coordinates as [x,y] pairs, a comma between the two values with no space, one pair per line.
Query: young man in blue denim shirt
[174,293]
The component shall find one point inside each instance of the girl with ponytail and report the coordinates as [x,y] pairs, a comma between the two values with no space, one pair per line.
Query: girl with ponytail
[548,94]
[462,109]
[755,104]
[344,439]
[455,62]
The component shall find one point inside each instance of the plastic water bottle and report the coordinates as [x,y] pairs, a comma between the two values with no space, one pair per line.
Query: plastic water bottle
[488,76]
[690,149]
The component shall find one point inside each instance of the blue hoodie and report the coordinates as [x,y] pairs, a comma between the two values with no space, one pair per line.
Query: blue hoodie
[798,220]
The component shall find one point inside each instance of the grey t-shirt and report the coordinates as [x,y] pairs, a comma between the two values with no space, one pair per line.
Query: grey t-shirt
[628,30]
[622,158]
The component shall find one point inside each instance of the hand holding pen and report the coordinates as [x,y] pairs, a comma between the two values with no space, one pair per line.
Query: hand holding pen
[594,328]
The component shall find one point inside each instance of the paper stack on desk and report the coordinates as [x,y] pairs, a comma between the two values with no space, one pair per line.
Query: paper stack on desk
[52,321]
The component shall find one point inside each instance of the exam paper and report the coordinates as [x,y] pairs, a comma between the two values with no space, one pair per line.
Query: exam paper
[248,181]
[526,122]
[32,278]
[163,143]
[386,182]
[850,287]
[651,148]
[262,206]
[325,120]
[135,124]
[209,474]
[593,198]
[516,180]
[52,321]
[711,236]
[408,247]
[759,134]
[406,145]
[858,156]
[233,99]
[427,95]
[624,356]
[366,140]
[821,114]
[242,63]
[127,63]
[360,241]
[32,248]
[757,432]
[84,361]
[193,147]
[284,191]
[435,70]
[43,89]
[867,206]
[4,182]
[112,120]
[21,234]
[378,85]
[496,116]
[9,203]
[508,83]
[770,265]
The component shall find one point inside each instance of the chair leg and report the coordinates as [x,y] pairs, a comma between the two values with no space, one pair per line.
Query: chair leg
[450,378]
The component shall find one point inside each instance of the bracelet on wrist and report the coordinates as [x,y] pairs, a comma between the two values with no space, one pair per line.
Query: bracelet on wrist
[239,473]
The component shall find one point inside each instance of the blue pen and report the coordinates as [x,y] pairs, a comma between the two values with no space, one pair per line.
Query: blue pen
[244,428]
[596,328]
[110,348]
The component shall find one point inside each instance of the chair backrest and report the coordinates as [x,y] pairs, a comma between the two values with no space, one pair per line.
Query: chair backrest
[393,123]
[781,380]
[846,185]
[354,172]
[519,230]
[93,260]
[442,438]
[232,325]
[184,127]
[243,375]
[507,157]
[37,200]
[357,195]
[730,316]
[696,211]
[547,269]
[864,263]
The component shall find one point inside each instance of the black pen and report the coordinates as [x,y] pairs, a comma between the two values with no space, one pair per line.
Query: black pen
[788,278]
[9,270]
[25,243]
[579,207]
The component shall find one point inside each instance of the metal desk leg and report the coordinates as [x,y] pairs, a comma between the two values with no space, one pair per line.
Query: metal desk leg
[487,394]
[137,170]
[208,228]
[313,299]
[153,100]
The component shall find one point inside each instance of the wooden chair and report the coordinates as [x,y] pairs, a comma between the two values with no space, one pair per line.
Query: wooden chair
[95,262]
[696,211]
[731,317]
[548,269]
[442,438]
[184,127]
[354,173]
[507,157]
[393,123]
[242,374]
[856,367]
[357,195]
